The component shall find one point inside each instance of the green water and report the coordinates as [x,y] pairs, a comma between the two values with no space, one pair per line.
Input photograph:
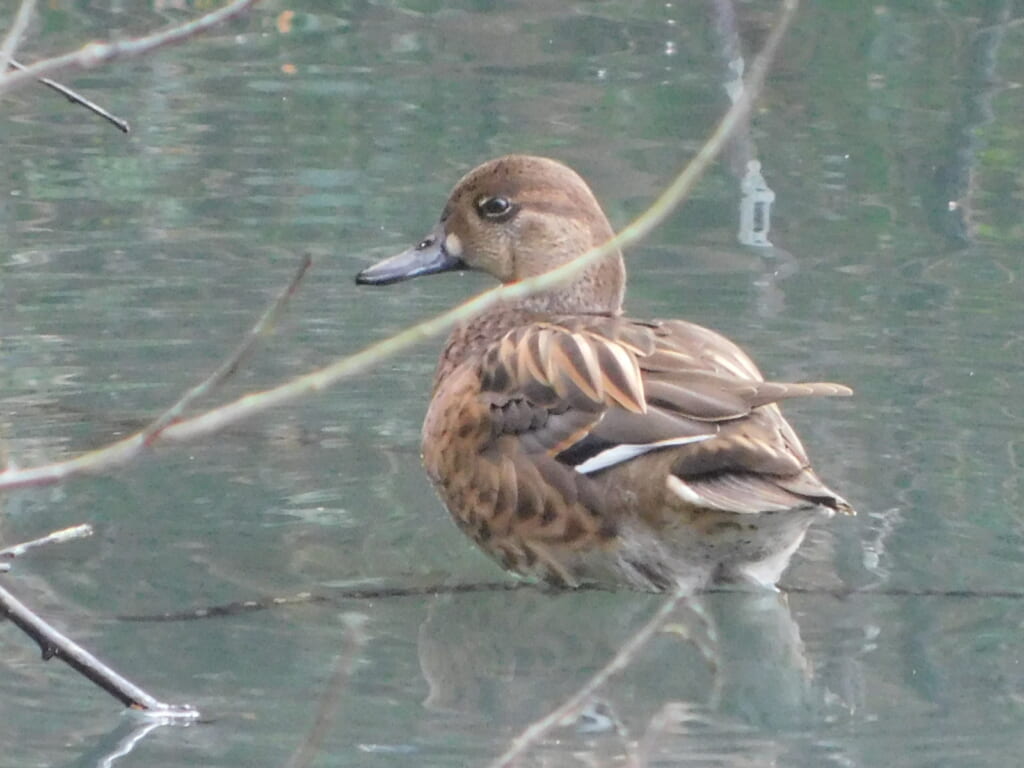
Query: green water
[131,266]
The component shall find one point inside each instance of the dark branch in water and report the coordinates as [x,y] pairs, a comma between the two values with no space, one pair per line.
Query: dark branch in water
[341,596]
[335,597]
[55,645]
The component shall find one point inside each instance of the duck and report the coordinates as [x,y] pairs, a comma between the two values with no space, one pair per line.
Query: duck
[578,446]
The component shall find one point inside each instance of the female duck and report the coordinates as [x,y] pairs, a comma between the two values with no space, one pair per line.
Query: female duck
[577,445]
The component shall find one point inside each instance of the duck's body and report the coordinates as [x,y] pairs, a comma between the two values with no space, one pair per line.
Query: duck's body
[576,445]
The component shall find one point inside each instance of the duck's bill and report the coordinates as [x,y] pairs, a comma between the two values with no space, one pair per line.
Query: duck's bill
[428,258]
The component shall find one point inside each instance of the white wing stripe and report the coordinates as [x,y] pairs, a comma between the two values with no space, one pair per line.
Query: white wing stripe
[626,451]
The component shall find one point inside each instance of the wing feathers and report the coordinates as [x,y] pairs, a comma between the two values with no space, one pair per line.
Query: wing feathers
[699,397]
[622,378]
[773,391]
[593,393]
[567,366]
[742,494]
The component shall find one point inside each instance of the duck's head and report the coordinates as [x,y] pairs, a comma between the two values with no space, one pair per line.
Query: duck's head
[513,218]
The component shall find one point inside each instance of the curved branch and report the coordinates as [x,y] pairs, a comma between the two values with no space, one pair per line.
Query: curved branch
[15,33]
[94,54]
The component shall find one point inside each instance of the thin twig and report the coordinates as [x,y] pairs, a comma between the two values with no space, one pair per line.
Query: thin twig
[57,537]
[94,54]
[125,451]
[327,711]
[15,33]
[54,644]
[572,706]
[76,98]
[231,365]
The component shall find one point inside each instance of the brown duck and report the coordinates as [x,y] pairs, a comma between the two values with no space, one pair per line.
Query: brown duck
[577,445]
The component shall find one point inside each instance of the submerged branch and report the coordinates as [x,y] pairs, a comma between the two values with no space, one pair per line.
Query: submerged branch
[340,596]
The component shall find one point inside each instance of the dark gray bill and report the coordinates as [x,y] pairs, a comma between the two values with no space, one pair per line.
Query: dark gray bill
[427,258]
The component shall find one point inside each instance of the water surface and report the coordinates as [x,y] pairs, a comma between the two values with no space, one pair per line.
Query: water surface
[130,266]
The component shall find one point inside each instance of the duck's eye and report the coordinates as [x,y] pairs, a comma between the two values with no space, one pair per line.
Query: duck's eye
[494,207]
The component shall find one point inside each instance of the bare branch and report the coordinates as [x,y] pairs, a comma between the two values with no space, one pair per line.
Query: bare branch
[53,644]
[15,33]
[94,54]
[76,98]
[231,365]
[57,537]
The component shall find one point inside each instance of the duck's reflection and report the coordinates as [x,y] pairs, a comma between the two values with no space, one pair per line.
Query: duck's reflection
[734,659]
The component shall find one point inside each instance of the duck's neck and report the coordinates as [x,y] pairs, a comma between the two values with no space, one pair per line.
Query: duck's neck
[597,291]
